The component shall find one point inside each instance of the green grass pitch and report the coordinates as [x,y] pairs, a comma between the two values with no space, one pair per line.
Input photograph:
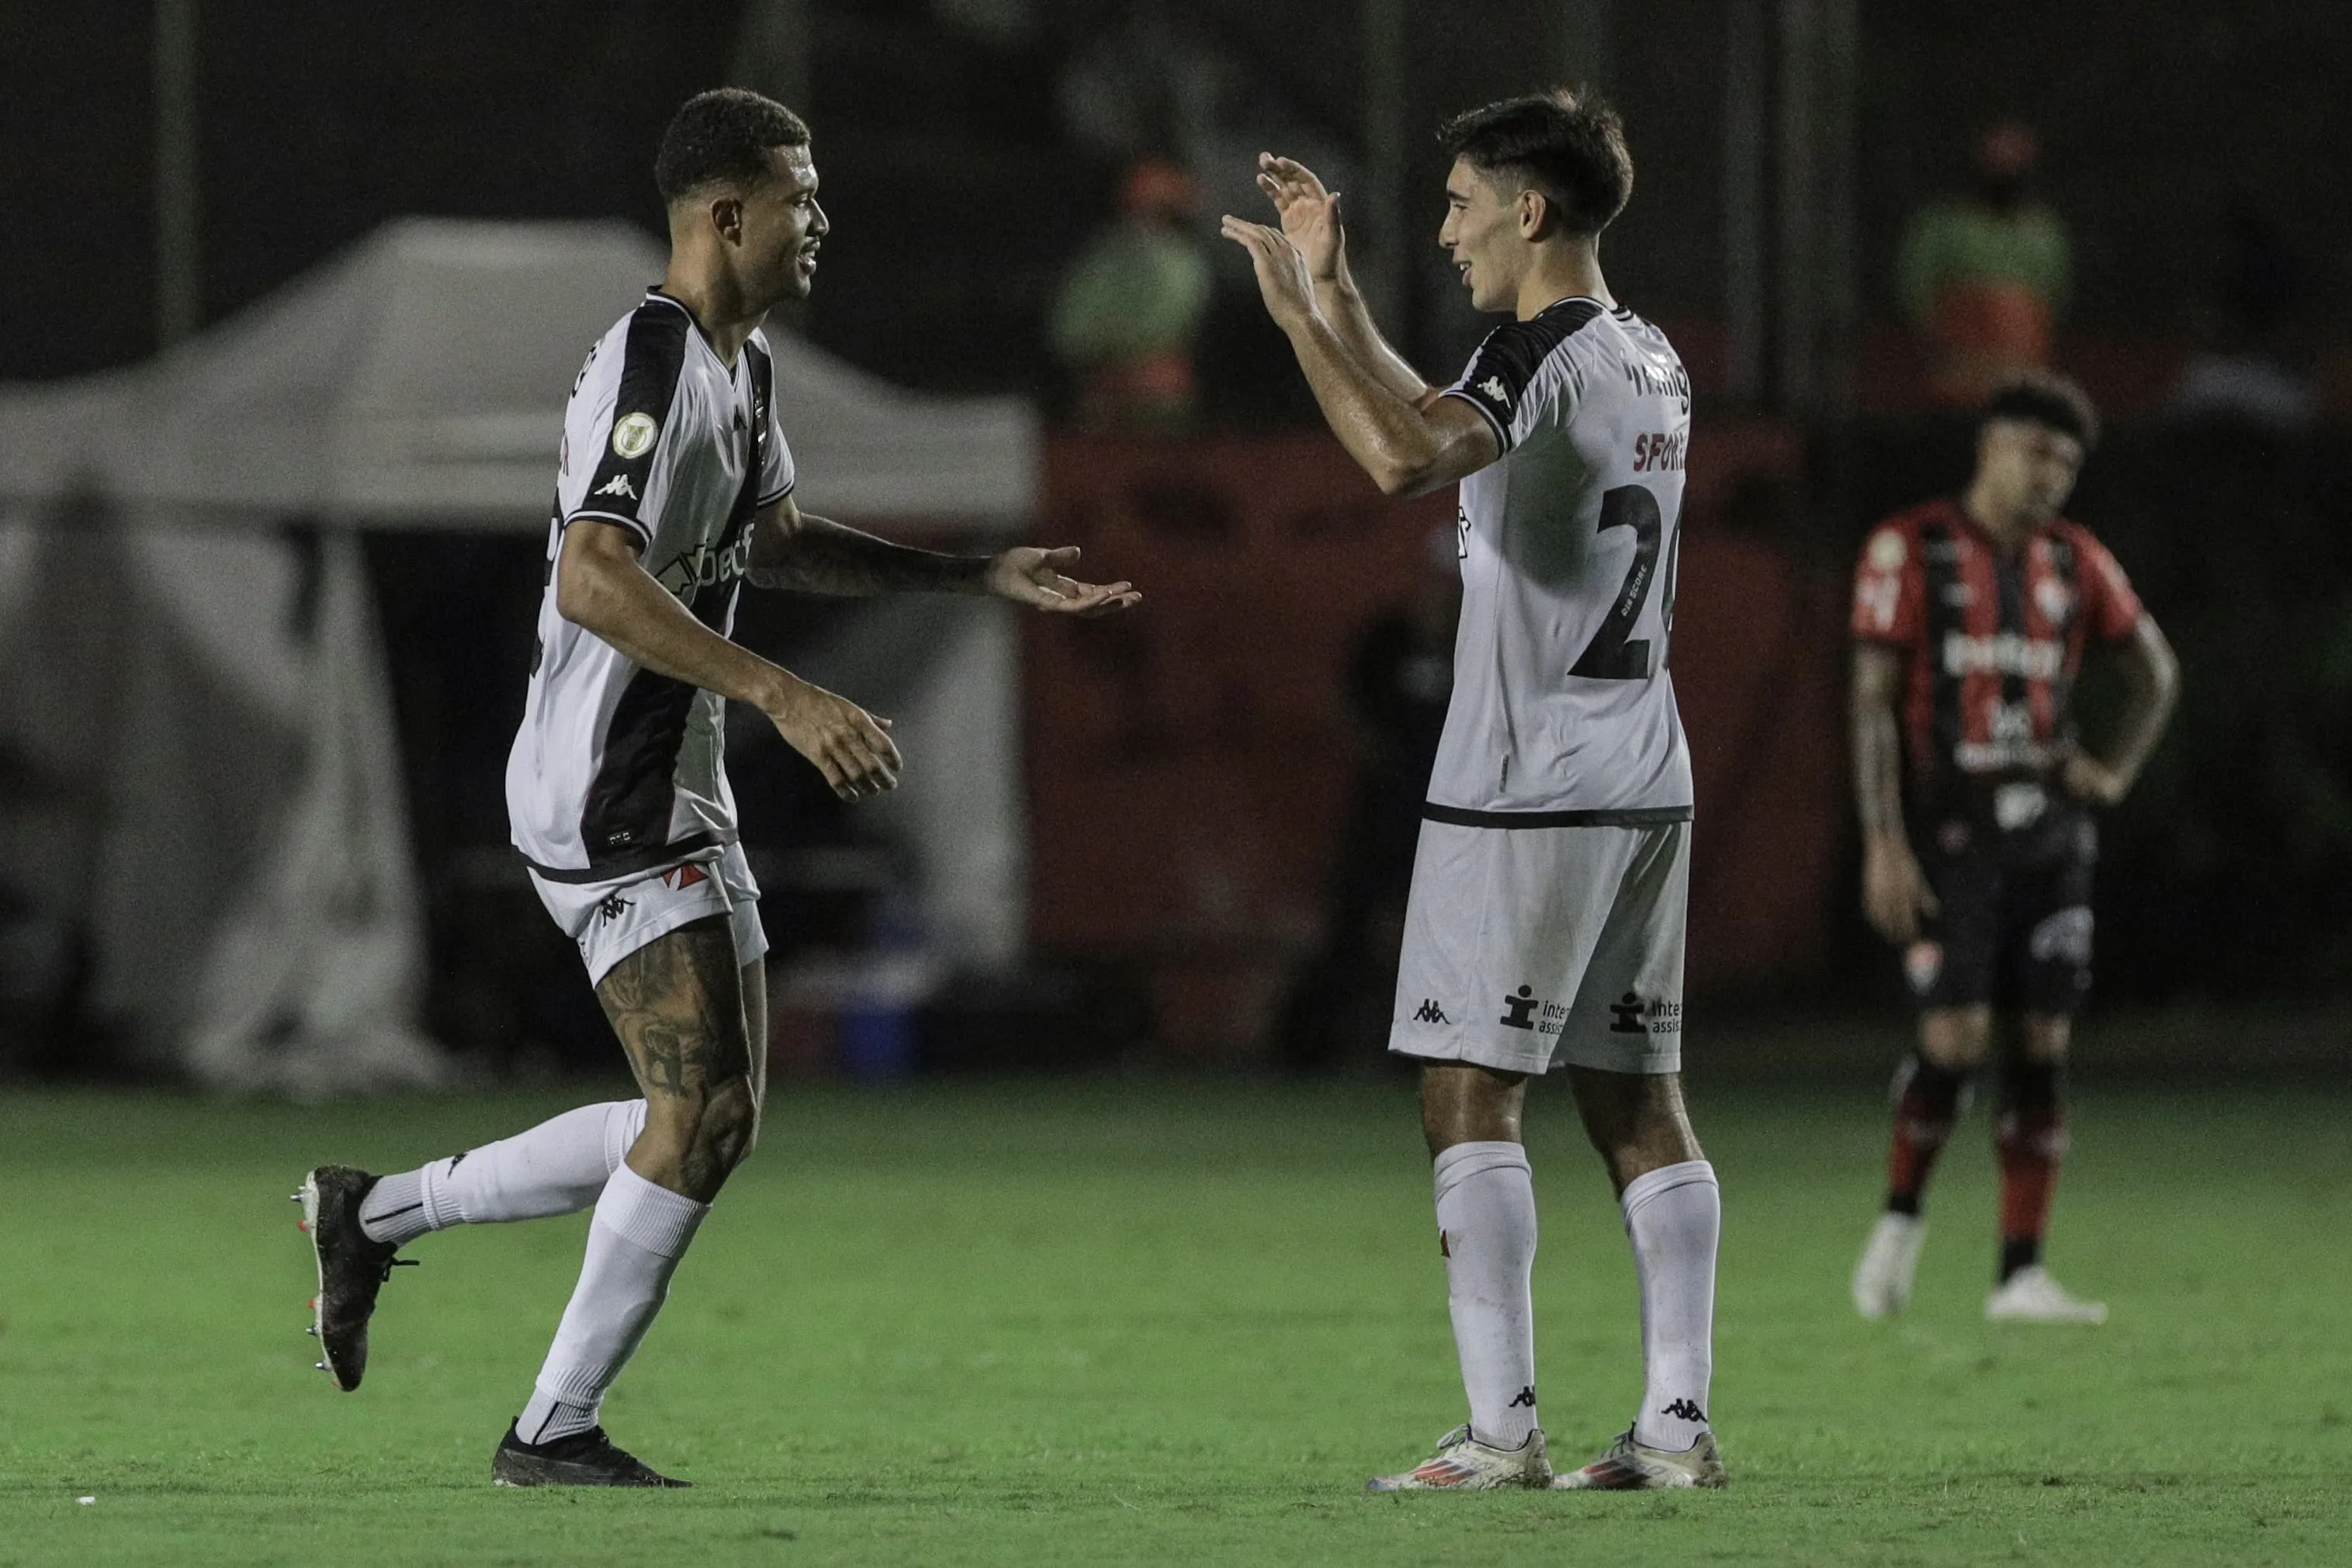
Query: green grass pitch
[1147,1322]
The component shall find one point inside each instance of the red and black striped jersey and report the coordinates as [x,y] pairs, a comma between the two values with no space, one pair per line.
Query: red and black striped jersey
[1993,638]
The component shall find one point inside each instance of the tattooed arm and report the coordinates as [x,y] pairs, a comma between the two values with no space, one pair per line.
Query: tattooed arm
[790,548]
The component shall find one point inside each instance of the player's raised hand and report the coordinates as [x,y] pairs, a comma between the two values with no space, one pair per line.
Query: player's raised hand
[1282,276]
[1027,575]
[1895,891]
[1310,214]
[849,745]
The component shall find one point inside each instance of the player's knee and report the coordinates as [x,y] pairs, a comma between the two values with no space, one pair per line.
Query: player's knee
[1956,1040]
[714,1127]
[1467,1104]
[2044,1038]
[1635,1122]
[729,1124]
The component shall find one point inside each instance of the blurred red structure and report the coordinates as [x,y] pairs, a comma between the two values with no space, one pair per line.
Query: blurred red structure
[1188,764]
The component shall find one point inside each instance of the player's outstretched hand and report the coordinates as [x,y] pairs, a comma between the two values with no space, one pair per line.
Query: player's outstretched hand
[1282,276]
[1027,575]
[2088,778]
[849,745]
[1310,214]
[1895,891]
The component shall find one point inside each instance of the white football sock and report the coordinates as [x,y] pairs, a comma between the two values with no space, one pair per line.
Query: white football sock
[1486,1229]
[640,1232]
[1674,1216]
[557,1167]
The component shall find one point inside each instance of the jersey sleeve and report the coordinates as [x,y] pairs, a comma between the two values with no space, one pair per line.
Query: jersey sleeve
[777,475]
[618,427]
[2110,606]
[1504,379]
[1888,588]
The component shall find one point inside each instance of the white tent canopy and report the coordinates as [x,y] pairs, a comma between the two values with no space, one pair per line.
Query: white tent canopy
[255,915]
[418,379]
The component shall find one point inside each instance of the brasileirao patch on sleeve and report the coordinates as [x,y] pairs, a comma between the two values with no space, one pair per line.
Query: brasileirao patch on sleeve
[634,435]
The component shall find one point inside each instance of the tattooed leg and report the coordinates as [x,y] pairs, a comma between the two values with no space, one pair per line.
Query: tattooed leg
[678,1004]
[755,1032]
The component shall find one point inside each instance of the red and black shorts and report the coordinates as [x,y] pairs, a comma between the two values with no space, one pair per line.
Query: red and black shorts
[2014,923]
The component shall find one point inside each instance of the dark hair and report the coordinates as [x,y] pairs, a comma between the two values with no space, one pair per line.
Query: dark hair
[723,135]
[1570,146]
[2039,397]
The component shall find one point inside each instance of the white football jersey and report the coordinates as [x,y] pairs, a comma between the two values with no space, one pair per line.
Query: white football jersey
[1562,711]
[617,769]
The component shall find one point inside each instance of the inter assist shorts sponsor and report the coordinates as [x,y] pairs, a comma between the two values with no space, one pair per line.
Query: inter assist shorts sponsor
[1525,947]
[2013,922]
[609,920]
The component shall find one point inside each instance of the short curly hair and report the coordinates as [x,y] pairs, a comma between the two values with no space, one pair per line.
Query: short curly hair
[723,136]
[2046,399]
[1571,146]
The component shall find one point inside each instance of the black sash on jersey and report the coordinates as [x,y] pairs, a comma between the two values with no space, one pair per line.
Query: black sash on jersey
[628,813]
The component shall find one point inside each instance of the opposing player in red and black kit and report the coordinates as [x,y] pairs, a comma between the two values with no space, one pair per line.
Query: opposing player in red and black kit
[1972,618]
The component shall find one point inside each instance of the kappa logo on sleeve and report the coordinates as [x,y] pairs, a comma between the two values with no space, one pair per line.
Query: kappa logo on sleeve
[618,484]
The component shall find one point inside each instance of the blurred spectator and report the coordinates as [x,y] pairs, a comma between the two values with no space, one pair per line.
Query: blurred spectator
[1984,276]
[1399,678]
[1129,308]
[2244,375]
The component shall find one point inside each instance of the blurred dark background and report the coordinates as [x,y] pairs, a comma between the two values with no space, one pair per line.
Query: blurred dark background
[1205,842]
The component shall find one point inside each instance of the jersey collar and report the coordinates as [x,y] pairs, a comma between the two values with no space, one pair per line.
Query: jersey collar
[1617,310]
[654,291]
[1966,520]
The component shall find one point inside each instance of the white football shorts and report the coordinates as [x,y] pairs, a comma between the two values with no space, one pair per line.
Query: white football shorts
[1525,947]
[609,920]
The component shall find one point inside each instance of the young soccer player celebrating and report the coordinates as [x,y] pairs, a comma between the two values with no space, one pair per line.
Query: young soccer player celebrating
[1546,919]
[1970,620]
[675,488]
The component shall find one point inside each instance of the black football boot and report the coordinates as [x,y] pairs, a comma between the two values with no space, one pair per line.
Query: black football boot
[583,1459]
[352,1269]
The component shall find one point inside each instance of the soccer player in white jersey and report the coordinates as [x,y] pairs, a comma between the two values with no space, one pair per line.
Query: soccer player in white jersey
[674,488]
[1545,923]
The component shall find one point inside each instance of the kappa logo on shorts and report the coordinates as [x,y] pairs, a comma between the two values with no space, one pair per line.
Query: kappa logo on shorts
[1519,1011]
[1430,1013]
[611,907]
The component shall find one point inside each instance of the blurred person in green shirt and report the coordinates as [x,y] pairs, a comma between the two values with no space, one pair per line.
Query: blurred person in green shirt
[1131,305]
[1985,276]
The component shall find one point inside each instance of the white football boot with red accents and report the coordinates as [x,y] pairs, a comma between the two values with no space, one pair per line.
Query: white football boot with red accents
[1629,1466]
[2032,1296]
[1882,1280]
[1462,1463]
